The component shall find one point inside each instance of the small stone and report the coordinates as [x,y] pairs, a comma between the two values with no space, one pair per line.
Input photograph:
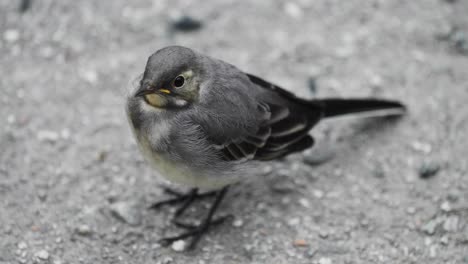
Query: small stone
[184,23]
[238,223]
[11,35]
[304,202]
[323,234]
[318,193]
[24,6]
[311,253]
[167,260]
[428,169]
[101,156]
[423,147]
[446,207]
[319,154]
[11,119]
[42,254]
[411,210]
[178,246]
[91,76]
[325,261]
[376,81]
[293,10]
[283,185]
[430,227]
[294,221]
[433,251]
[444,240]
[47,136]
[344,52]
[46,52]
[127,212]
[300,243]
[22,245]
[84,230]
[65,133]
[451,224]
[312,84]
[42,194]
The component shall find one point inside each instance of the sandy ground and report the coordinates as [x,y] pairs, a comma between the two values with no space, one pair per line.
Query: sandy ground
[74,189]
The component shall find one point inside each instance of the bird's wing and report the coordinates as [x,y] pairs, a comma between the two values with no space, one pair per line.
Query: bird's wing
[282,128]
[276,136]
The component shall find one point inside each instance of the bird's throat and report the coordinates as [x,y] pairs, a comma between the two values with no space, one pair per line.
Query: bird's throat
[156,100]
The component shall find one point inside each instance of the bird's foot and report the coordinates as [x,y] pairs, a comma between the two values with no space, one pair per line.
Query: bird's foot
[193,231]
[186,198]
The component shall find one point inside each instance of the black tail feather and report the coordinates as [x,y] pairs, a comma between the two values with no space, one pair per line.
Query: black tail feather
[335,107]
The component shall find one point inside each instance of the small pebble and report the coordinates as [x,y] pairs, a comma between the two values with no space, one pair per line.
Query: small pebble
[430,227]
[323,234]
[444,240]
[22,245]
[294,221]
[311,253]
[446,207]
[325,261]
[127,212]
[89,75]
[433,251]
[318,193]
[24,6]
[411,210]
[185,23]
[47,136]
[167,260]
[300,243]
[178,246]
[312,84]
[84,230]
[293,10]
[319,154]
[428,169]
[304,202]
[423,147]
[42,254]
[238,223]
[11,35]
[451,224]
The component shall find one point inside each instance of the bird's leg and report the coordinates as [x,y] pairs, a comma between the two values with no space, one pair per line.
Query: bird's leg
[185,198]
[196,232]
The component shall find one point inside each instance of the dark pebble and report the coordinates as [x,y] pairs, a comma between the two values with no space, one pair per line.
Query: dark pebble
[185,23]
[428,170]
[312,83]
[24,6]
[319,154]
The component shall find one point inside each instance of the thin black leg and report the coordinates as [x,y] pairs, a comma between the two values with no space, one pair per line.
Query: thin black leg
[198,231]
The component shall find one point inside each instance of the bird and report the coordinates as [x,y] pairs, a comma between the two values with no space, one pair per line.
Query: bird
[204,124]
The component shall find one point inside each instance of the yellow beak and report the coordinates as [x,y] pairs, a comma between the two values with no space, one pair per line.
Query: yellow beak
[166,91]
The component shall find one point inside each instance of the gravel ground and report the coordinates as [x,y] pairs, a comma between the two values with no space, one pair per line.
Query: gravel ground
[74,189]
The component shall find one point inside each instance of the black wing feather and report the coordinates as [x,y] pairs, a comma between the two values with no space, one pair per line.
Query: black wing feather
[284,130]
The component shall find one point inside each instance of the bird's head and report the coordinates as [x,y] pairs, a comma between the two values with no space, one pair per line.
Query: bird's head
[171,79]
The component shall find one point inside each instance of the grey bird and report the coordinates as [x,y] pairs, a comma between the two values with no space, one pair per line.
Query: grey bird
[204,123]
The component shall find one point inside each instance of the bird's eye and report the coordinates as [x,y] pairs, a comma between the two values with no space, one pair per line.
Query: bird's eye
[179,81]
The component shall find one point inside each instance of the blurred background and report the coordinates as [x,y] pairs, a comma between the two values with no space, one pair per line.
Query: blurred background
[74,188]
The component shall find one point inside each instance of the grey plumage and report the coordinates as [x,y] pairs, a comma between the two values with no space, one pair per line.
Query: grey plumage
[207,132]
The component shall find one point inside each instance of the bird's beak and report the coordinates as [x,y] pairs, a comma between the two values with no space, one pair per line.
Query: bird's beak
[151,90]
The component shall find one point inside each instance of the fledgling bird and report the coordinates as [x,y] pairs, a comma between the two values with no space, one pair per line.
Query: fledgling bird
[203,123]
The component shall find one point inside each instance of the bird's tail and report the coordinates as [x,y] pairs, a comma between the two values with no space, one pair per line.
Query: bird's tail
[336,107]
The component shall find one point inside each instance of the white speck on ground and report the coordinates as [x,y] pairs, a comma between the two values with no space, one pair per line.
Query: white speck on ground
[178,245]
